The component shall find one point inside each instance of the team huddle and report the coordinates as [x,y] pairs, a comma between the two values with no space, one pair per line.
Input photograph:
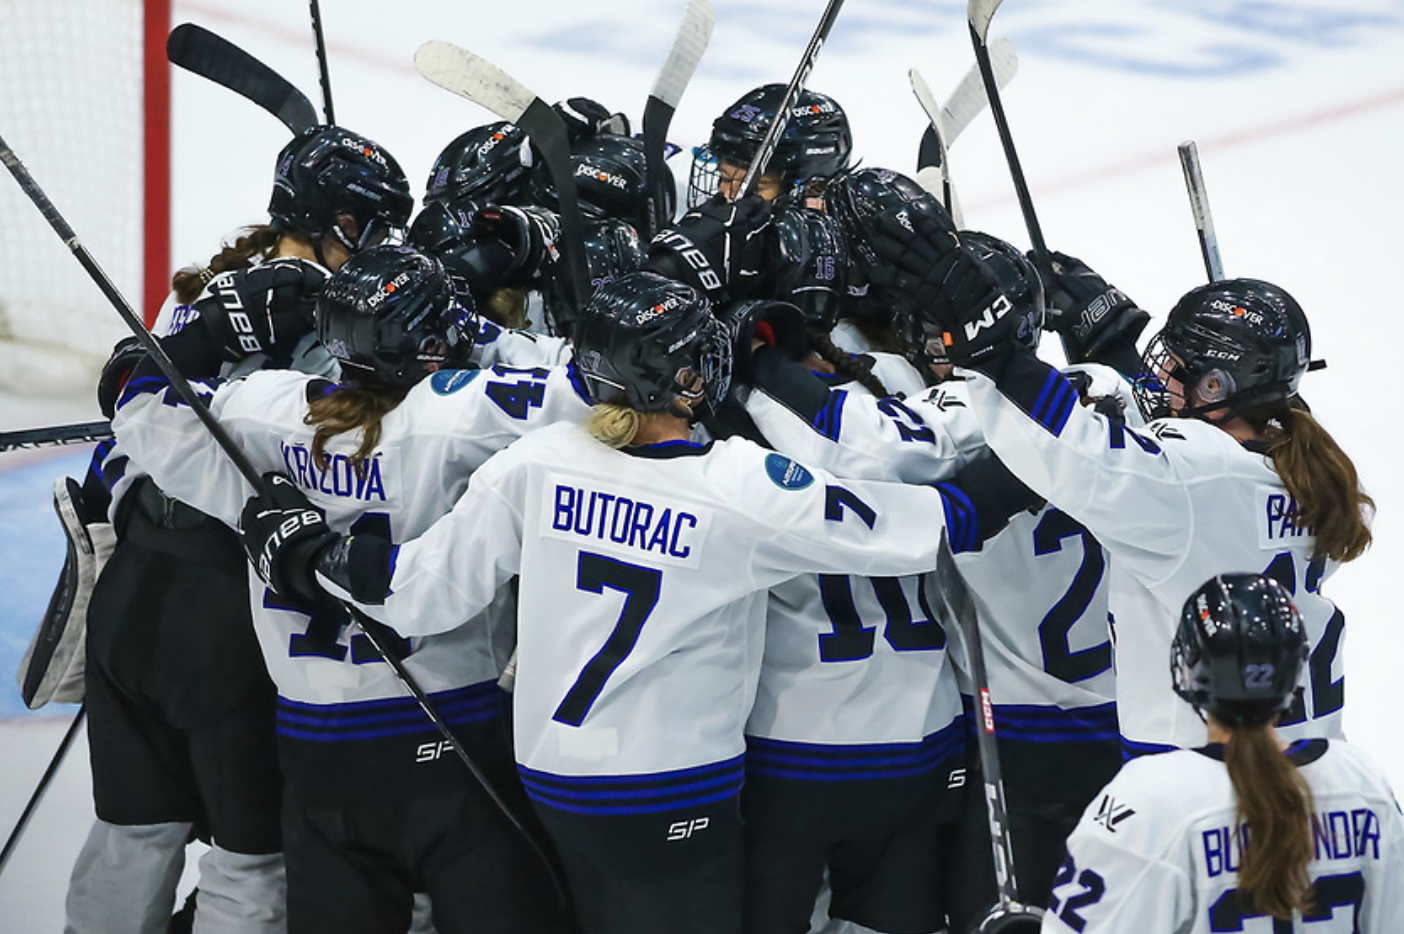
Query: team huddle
[618,613]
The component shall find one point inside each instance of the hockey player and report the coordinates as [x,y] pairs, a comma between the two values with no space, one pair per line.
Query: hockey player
[1303,836]
[1046,641]
[816,146]
[378,807]
[181,709]
[1231,473]
[644,558]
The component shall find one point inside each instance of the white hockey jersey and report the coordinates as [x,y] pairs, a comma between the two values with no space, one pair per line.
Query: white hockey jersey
[1039,586]
[855,682]
[1159,850]
[642,603]
[1173,506]
[430,444]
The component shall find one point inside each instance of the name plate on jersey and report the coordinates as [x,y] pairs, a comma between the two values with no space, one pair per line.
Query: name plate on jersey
[1277,520]
[608,518]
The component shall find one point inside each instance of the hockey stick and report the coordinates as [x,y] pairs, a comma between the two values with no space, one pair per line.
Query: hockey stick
[44,781]
[694,32]
[316,10]
[371,629]
[480,81]
[200,51]
[1199,206]
[81,433]
[950,120]
[1008,915]
[787,102]
[979,13]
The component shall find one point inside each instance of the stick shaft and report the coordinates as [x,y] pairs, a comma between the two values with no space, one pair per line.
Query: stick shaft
[44,781]
[1199,207]
[81,433]
[791,96]
[315,9]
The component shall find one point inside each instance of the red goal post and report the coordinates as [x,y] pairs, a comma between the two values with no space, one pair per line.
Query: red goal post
[85,103]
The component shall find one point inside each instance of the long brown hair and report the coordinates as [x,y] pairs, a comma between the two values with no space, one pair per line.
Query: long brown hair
[846,363]
[350,408]
[1274,803]
[251,243]
[1321,478]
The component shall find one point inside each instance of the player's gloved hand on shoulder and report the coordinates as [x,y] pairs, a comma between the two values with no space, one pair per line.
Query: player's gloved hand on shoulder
[1091,316]
[127,353]
[529,233]
[282,533]
[719,247]
[757,323]
[267,308]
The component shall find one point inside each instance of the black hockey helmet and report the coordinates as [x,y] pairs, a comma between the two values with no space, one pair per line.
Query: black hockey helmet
[610,180]
[1239,649]
[489,164]
[1239,344]
[809,264]
[643,339]
[327,173]
[612,249]
[391,315]
[817,142]
[445,232]
[881,211]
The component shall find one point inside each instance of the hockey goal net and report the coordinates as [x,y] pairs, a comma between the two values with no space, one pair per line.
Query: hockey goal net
[84,105]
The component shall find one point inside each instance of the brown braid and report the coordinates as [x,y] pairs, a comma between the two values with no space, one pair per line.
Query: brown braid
[860,370]
[251,242]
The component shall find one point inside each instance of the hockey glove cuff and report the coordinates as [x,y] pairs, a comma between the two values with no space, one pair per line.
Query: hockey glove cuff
[282,532]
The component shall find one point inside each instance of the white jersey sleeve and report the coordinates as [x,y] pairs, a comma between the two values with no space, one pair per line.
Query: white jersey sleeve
[497,345]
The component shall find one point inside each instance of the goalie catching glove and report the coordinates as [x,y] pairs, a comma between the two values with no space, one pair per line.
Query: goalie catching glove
[289,542]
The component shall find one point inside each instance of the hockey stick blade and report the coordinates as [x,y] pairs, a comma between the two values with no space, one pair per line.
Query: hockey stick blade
[201,52]
[82,433]
[694,32]
[473,77]
[1199,206]
[980,13]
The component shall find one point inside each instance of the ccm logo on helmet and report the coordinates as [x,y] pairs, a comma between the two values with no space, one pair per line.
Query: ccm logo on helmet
[1000,307]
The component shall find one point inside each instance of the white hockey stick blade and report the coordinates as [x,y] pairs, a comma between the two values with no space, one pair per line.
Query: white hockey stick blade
[694,32]
[969,98]
[474,78]
[979,13]
[1199,206]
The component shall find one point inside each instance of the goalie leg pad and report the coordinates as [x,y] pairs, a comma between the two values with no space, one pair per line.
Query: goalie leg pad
[53,665]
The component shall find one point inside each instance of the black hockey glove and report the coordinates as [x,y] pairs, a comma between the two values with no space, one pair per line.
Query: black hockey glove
[125,356]
[1090,316]
[964,299]
[778,324]
[584,118]
[529,233]
[282,533]
[719,248]
[265,309]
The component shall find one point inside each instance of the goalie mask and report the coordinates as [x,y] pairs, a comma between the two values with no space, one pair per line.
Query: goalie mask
[1239,650]
[643,341]
[391,315]
[1233,345]
[328,175]
[490,164]
[817,142]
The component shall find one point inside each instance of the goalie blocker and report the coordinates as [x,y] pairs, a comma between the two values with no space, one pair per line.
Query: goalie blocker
[53,665]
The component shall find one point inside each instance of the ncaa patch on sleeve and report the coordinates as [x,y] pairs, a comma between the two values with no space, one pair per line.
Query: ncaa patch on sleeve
[447,382]
[786,474]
